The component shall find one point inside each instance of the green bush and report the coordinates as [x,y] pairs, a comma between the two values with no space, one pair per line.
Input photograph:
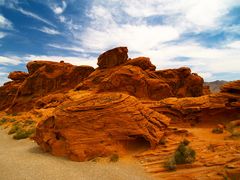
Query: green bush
[217,130]
[183,154]
[170,164]
[2,121]
[114,158]
[14,129]
[12,120]
[22,133]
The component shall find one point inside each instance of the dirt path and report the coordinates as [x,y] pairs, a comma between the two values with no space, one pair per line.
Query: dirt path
[23,160]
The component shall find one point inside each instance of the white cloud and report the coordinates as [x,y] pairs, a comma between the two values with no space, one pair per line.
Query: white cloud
[66,47]
[234,44]
[35,16]
[49,31]
[137,38]
[203,14]
[10,60]
[59,9]
[2,34]
[62,19]
[5,23]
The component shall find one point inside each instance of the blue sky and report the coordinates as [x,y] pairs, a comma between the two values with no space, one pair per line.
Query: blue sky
[204,35]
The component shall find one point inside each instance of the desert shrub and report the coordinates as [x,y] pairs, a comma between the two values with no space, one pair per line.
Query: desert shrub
[14,129]
[29,122]
[114,158]
[14,114]
[170,164]
[22,133]
[2,121]
[12,120]
[217,130]
[183,154]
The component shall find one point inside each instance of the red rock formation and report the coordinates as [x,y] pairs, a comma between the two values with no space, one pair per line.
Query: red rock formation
[47,77]
[113,57]
[220,107]
[182,82]
[143,62]
[17,75]
[9,90]
[138,77]
[98,125]
[7,93]
[116,73]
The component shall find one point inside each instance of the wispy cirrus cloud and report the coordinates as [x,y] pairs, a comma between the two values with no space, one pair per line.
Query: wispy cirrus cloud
[5,23]
[66,47]
[59,9]
[49,31]
[35,16]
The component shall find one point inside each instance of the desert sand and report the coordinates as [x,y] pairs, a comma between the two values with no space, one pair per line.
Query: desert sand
[24,160]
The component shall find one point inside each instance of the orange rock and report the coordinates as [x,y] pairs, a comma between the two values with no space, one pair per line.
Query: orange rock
[113,57]
[47,77]
[142,62]
[219,107]
[99,125]
[182,82]
[17,75]
[7,93]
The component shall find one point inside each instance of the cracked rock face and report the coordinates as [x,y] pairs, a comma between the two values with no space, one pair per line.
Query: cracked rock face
[98,125]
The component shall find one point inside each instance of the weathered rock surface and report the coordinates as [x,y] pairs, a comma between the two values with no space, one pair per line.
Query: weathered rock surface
[47,77]
[138,78]
[116,73]
[98,125]
[7,93]
[182,82]
[210,108]
[18,75]
[143,62]
[113,57]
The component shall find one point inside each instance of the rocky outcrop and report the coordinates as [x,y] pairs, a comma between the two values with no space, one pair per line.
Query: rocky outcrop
[220,107]
[143,62]
[44,77]
[17,75]
[231,87]
[182,82]
[116,73]
[113,57]
[138,78]
[7,93]
[100,124]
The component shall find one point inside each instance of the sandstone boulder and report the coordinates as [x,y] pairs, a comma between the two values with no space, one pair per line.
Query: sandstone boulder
[113,57]
[7,93]
[99,125]
[47,77]
[143,62]
[17,75]
[182,82]
[219,107]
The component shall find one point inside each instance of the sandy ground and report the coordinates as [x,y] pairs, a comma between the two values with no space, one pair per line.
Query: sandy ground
[23,160]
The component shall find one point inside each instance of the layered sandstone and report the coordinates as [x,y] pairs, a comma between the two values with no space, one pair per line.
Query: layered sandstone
[138,78]
[106,121]
[45,77]
[218,107]
[116,73]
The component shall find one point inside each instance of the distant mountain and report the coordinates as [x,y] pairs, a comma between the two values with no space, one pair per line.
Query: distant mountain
[215,85]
